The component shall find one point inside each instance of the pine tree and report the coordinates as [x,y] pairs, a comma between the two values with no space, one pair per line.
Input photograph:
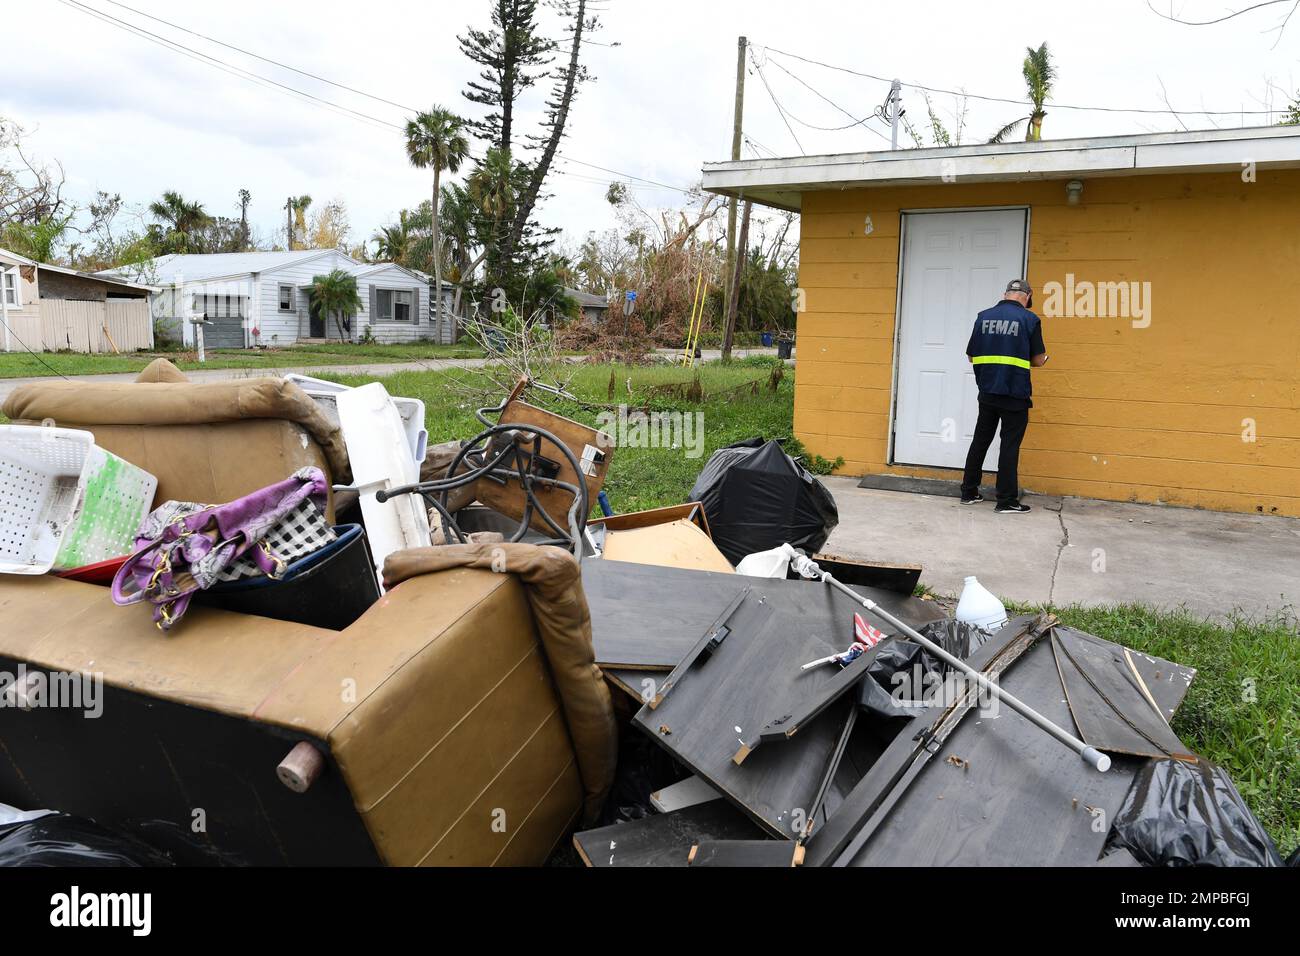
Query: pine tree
[513,55]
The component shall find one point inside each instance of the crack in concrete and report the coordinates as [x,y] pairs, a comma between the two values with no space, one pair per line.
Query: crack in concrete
[1060,549]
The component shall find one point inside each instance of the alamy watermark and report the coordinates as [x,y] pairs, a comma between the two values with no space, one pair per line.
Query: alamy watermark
[636,428]
[1084,299]
[64,690]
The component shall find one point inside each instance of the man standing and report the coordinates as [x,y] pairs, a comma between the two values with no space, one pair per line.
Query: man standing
[1006,341]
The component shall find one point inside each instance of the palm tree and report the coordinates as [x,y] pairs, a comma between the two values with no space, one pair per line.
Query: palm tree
[435,139]
[182,218]
[336,294]
[1039,75]
[36,240]
[297,206]
[492,184]
[393,243]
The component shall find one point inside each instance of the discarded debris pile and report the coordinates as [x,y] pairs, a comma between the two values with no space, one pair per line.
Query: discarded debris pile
[427,655]
[261,520]
[795,751]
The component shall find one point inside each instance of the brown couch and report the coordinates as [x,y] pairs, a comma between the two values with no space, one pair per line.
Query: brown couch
[461,719]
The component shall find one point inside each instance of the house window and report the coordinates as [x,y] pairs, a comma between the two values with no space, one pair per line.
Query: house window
[11,288]
[392,305]
[286,298]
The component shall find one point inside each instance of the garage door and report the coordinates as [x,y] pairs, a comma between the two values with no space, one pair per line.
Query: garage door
[225,317]
[954,265]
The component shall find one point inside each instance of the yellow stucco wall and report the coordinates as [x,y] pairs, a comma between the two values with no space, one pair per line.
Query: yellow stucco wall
[1151,414]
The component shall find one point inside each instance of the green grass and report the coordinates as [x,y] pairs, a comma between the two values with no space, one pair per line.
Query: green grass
[24,364]
[639,478]
[1257,741]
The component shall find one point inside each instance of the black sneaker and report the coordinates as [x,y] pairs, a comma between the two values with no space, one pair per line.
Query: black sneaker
[973,500]
[1011,508]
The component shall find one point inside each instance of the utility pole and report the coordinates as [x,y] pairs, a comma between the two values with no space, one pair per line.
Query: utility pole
[288,223]
[894,111]
[737,123]
[733,301]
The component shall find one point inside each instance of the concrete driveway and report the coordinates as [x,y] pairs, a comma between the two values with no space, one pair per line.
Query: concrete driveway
[1079,550]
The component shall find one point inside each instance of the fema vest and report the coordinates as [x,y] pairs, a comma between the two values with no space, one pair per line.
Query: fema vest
[999,349]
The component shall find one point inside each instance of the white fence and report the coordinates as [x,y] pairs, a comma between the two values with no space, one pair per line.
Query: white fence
[96,326]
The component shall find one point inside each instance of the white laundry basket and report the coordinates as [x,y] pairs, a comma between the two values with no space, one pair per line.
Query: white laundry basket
[64,501]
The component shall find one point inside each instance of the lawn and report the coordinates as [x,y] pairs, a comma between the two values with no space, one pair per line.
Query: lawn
[25,364]
[639,478]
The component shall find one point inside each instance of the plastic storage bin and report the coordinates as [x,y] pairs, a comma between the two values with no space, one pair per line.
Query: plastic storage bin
[411,410]
[64,501]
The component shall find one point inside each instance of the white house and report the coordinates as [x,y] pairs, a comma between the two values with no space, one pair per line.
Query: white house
[263,298]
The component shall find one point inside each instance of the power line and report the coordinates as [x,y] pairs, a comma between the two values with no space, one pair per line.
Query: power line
[1015,102]
[775,102]
[34,355]
[856,121]
[208,60]
[219,64]
[264,59]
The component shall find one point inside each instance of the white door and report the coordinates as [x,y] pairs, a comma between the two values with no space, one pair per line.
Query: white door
[955,264]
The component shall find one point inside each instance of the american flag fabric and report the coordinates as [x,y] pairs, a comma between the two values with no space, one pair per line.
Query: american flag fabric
[864,633]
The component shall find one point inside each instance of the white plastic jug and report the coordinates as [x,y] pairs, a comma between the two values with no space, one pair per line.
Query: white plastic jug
[978,606]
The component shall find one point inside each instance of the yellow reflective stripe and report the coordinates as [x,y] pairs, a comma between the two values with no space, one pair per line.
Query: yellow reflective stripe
[1000,360]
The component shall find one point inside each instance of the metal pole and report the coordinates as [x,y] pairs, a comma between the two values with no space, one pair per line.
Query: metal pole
[1093,757]
[895,101]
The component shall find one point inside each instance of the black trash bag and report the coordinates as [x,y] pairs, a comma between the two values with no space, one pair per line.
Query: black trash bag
[1183,814]
[757,497]
[59,839]
[904,674]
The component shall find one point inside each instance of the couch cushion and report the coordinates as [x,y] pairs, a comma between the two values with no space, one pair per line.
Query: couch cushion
[213,463]
[87,404]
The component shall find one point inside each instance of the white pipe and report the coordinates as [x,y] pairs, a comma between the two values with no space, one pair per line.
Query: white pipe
[808,568]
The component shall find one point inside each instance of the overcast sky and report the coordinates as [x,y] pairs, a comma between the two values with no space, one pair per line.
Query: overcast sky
[127,115]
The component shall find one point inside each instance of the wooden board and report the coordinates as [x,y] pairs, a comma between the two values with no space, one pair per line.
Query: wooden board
[713,707]
[646,618]
[640,685]
[1019,798]
[746,853]
[899,578]
[789,721]
[664,839]
[642,619]
[1167,681]
[692,511]
[1110,706]
[883,780]
[509,498]
[685,793]
[677,544]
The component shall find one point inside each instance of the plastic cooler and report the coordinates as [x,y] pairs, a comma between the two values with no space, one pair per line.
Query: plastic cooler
[64,501]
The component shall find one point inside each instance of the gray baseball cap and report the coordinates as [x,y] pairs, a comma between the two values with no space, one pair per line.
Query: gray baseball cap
[1020,285]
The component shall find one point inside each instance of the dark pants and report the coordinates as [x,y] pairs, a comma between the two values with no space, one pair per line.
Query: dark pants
[1013,431]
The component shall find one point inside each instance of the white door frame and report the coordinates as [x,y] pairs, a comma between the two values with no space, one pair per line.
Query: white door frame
[898,298]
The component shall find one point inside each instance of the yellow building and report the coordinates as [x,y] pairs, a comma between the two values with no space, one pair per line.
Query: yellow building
[1165,269]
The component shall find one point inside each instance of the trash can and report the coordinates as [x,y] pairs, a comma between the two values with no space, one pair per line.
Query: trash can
[784,348]
[767,340]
